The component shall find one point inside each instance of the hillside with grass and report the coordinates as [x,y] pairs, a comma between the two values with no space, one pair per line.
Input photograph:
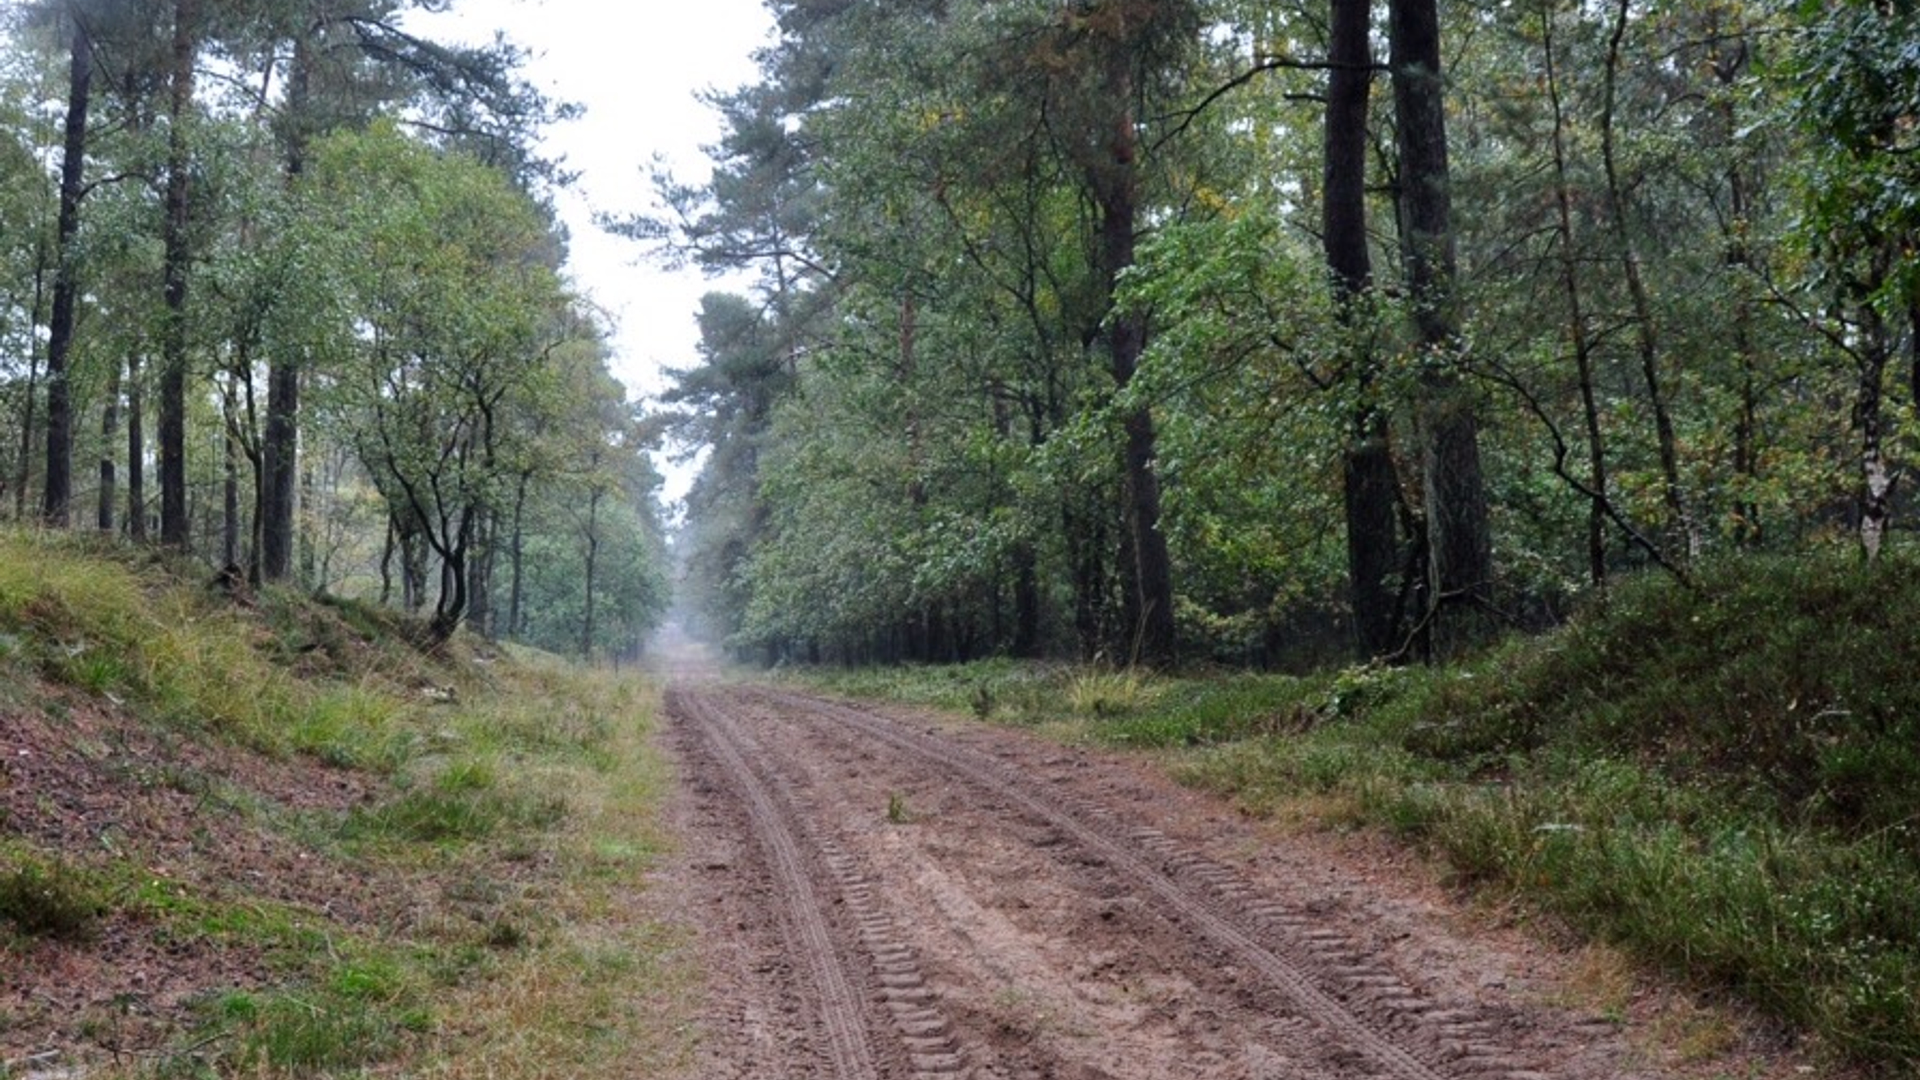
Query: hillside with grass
[1723,783]
[258,834]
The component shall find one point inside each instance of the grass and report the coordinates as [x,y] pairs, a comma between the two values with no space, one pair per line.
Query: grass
[516,819]
[1721,784]
[47,898]
[146,631]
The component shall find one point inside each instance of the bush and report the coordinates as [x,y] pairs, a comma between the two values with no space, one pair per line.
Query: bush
[50,900]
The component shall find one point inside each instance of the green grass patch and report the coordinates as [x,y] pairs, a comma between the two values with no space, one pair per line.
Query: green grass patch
[146,630]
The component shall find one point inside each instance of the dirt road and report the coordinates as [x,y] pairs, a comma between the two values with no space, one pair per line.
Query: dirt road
[880,895]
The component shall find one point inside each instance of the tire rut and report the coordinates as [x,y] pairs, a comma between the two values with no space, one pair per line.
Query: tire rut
[1320,973]
[846,1002]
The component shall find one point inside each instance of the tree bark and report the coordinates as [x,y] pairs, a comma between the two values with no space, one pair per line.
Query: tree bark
[55,507]
[230,491]
[136,450]
[27,411]
[1371,483]
[1149,601]
[281,451]
[480,616]
[516,622]
[593,566]
[109,434]
[1876,475]
[1460,568]
[175,529]
[1730,56]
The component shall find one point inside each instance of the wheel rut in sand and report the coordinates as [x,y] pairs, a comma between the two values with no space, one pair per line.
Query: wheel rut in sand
[1028,916]
[809,879]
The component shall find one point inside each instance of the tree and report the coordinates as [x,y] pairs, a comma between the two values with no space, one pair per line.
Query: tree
[1460,547]
[1372,485]
[174,526]
[66,284]
[458,306]
[345,62]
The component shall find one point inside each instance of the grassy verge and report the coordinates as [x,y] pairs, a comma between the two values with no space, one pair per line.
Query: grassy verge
[1721,783]
[489,921]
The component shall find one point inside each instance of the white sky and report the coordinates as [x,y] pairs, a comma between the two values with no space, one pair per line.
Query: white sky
[636,67]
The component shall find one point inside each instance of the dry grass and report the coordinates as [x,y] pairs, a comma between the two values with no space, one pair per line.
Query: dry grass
[602,989]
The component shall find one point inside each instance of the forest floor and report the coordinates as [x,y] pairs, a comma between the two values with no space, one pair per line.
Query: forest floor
[253,835]
[878,891]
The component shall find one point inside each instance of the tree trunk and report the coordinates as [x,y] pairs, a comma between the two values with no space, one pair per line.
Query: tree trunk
[480,578]
[593,565]
[1729,62]
[1646,330]
[1115,184]
[136,450]
[28,418]
[1577,334]
[230,493]
[386,562]
[516,623]
[109,435]
[1371,483]
[303,538]
[175,529]
[452,607]
[55,508]
[281,451]
[1876,476]
[1460,566]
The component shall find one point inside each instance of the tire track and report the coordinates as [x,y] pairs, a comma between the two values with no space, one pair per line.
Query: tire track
[849,1043]
[1373,1013]
[923,1035]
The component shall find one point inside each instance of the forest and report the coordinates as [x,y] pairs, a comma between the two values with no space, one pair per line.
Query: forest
[1474,441]
[281,287]
[1279,335]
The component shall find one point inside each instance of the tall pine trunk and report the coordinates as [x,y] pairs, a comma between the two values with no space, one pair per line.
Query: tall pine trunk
[281,452]
[1149,569]
[136,450]
[175,529]
[1371,493]
[1460,563]
[55,507]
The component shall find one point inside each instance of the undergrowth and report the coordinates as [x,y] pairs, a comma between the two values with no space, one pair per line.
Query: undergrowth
[1721,782]
[42,897]
[279,673]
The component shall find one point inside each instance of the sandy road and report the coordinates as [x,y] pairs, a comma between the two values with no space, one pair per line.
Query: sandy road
[882,896]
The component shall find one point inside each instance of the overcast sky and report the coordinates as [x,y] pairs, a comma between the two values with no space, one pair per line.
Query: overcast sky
[637,68]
